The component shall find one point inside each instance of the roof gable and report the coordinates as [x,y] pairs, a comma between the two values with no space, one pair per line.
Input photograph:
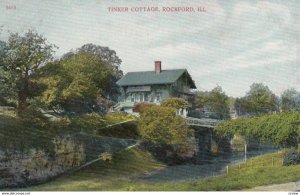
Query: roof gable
[151,78]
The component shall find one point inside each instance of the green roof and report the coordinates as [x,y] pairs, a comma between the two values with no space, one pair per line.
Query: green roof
[151,78]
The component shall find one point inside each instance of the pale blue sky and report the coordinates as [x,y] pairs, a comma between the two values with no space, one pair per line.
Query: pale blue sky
[233,44]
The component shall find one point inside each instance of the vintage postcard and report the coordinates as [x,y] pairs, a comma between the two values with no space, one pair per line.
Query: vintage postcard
[149,95]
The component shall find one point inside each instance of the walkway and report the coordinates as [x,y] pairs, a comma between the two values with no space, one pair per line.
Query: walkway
[287,187]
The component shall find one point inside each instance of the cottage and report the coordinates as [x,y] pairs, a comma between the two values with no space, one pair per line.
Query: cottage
[153,87]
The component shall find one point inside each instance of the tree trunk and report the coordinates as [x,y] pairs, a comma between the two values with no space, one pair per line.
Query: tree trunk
[21,102]
[22,93]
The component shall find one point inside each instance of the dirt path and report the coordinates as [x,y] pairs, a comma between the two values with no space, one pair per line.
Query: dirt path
[292,186]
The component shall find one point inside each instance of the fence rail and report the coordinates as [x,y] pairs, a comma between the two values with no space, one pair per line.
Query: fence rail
[251,163]
[210,123]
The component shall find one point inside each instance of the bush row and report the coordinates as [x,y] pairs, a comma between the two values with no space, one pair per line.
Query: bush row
[281,129]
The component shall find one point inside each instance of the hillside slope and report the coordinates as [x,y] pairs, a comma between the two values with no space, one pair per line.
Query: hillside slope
[123,166]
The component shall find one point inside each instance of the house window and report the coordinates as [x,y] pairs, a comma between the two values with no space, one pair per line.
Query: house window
[141,97]
[146,97]
[157,97]
[137,97]
[132,98]
[181,111]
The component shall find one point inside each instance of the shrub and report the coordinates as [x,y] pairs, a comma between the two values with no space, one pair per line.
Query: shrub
[166,135]
[291,157]
[281,129]
[88,122]
[106,157]
[118,117]
[140,107]
[159,124]
[175,103]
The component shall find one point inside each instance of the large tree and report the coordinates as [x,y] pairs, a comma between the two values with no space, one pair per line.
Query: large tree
[200,99]
[241,106]
[4,82]
[219,103]
[290,100]
[215,101]
[24,54]
[109,56]
[258,100]
[75,83]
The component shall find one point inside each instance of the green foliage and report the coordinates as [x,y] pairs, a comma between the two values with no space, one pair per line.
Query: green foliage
[290,100]
[88,122]
[241,106]
[118,117]
[219,103]
[4,101]
[105,156]
[258,100]
[141,107]
[160,125]
[6,89]
[201,99]
[108,56]
[215,101]
[175,103]
[281,129]
[23,56]
[292,157]
[8,111]
[75,83]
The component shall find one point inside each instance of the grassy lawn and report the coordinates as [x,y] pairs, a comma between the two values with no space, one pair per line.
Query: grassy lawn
[118,175]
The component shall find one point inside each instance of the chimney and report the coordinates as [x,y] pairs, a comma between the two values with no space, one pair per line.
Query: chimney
[157,67]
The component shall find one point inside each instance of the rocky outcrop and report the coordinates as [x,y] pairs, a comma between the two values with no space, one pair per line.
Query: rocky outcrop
[35,165]
[18,169]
